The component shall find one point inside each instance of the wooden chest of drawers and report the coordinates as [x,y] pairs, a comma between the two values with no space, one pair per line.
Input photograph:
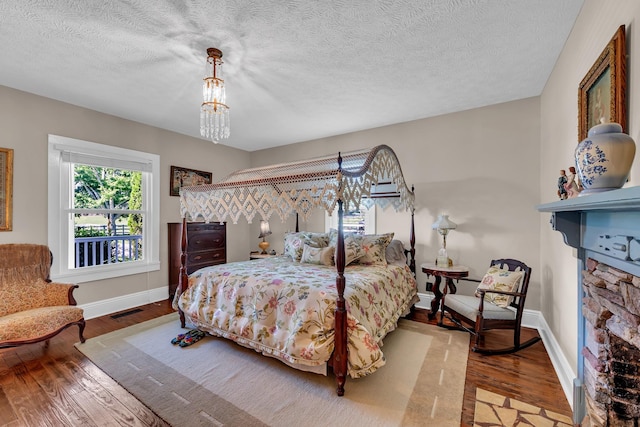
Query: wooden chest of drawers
[206,245]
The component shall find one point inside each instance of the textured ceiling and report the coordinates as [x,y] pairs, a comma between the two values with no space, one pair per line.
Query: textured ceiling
[295,69]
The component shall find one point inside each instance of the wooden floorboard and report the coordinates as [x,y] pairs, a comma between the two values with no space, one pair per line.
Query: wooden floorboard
[58,385]
[527,375]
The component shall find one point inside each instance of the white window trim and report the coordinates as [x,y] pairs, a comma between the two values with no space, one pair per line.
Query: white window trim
[60,233]
[331,221]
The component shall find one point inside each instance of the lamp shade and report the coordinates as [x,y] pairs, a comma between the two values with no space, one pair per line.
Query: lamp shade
[444,223]
[264,229]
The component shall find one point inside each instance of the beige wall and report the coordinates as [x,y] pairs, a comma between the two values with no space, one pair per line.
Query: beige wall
[479,166]
[25,122]
[596,24]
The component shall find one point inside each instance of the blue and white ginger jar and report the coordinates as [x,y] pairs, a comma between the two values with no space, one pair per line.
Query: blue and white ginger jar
[604,158]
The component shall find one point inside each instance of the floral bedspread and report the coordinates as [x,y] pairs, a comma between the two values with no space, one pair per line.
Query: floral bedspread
[286,309]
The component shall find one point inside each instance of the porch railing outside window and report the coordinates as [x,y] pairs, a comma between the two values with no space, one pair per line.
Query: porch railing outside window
[100,250]
[119,229]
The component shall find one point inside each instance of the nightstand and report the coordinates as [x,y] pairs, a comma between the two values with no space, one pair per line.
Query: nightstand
[258,255]
[450,274]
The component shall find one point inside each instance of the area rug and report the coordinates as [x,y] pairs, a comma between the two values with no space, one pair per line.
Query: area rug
[495,410]
[217,382]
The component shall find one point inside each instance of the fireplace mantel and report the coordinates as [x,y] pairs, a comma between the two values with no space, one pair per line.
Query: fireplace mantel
[604,228]
[622,199]
[567,215]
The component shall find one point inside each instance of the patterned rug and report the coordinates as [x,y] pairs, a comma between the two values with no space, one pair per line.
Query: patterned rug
[494,410]
[217,382]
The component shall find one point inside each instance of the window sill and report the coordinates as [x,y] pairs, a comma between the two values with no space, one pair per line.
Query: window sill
[91,274]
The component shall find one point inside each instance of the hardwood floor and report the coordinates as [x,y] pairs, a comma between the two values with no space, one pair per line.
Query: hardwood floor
[527,375]
[58,386]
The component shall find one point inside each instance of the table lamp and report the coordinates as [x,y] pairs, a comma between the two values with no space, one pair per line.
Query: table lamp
[264,232]
[443,225]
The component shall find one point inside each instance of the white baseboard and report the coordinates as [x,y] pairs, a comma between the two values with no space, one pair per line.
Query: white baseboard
[425,301]
[566,375]
[124,302]
[534,319]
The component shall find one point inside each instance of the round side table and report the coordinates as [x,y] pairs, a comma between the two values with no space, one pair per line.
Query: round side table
[450,274]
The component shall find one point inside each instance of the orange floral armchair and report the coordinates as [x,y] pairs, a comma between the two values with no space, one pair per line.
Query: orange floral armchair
[32,308]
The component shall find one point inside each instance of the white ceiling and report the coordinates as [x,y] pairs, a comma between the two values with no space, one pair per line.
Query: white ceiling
[295,69]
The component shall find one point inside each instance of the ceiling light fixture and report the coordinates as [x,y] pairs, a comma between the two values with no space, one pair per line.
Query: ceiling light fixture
[214,113]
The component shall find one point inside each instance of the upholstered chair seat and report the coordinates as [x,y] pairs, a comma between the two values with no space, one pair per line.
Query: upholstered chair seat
[32,308]
[467,306]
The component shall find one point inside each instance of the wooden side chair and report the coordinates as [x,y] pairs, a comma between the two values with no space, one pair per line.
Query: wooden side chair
[497,304]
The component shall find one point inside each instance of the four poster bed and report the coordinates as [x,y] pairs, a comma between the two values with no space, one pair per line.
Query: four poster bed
[290,307]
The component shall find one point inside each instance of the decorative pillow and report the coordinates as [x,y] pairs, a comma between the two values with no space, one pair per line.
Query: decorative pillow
[353,250]
[374,247]
[294,242]
[500,280]
[352,245]
[321,256]
[395,253]
[333,236]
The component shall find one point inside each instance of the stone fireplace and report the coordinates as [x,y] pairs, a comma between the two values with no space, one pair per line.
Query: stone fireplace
[611,308]
[605,230]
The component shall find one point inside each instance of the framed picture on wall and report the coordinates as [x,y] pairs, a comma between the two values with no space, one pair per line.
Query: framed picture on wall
[6,188]
[183,177]
[602,92]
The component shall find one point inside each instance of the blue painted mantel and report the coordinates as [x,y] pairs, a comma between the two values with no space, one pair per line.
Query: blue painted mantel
[605,227]
[606,223]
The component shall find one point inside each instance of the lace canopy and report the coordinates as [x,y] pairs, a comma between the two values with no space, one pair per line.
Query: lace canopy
[371,176]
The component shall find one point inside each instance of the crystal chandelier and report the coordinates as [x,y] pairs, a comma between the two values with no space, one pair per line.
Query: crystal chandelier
[214,113]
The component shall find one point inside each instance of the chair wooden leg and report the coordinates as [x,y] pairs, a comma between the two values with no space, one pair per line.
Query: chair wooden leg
[477,340]
[81,326]
[516,338]
[478,332]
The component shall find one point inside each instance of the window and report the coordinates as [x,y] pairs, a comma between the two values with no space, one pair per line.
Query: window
[103,210]
[361,221]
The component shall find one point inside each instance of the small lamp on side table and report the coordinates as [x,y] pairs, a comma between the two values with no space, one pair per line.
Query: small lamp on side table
[264,232]
[443,225]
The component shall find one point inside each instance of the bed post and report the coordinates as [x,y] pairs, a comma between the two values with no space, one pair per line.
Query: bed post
[412,241]
[340,338]
[183,278]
